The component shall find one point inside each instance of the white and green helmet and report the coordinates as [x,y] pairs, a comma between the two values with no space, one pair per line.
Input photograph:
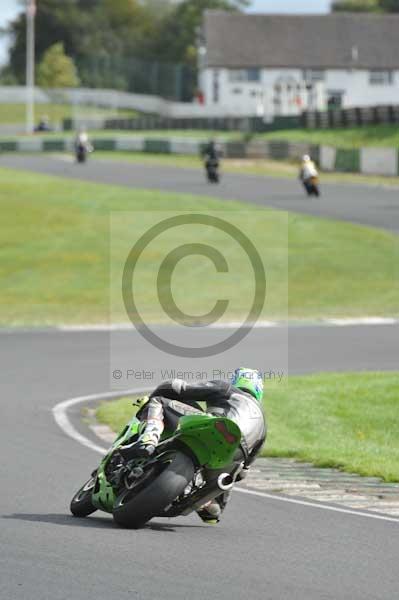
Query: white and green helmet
[248,380]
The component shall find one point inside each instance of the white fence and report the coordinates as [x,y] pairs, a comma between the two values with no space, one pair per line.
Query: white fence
[118,100]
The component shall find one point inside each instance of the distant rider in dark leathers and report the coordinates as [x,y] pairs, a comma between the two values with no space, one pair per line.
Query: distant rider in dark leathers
[211,154]
[210,151]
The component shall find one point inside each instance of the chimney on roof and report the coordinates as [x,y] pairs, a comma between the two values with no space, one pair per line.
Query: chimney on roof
[355,54]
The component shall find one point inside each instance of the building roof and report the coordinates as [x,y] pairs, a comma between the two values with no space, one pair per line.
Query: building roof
[340,40]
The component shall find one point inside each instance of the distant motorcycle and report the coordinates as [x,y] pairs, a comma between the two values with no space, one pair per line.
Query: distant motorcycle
[212,170]
[309,176]
[311,186]
[81,153]
[82,147]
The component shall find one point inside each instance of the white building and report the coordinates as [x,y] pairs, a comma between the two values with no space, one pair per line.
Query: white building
[284,64]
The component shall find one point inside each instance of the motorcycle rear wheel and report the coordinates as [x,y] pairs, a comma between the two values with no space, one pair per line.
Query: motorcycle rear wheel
[133,510]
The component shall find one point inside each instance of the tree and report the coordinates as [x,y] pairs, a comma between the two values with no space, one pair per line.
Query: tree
[104,36]
[55,21]
[87,28]
[57,70]
[177,32]
[389,5]
[7,77]
[355,6]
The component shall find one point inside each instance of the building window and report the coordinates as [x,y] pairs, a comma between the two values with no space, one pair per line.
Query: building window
[237,91]
[313,75]
[381,78]
[244,75]
[253,74]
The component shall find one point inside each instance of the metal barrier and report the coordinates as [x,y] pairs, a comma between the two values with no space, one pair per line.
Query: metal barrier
[351,117]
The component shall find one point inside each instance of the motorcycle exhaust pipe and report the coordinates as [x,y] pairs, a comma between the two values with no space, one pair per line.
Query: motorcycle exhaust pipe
[225,482]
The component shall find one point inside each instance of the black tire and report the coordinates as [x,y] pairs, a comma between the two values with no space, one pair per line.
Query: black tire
[81,157]
[133,510]
[81,504]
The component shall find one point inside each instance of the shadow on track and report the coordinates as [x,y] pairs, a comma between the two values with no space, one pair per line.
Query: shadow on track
[156,526]
[91,522]
[60,519]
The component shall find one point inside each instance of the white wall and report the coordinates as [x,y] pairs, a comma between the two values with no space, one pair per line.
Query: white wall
[254,96]
[358,90]
[354,83]
[227,102]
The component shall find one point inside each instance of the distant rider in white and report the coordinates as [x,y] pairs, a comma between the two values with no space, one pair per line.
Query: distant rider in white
[82,140]
[308,170]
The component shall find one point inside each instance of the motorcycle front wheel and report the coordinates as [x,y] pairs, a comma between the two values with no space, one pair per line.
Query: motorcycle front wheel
[81,504]
[170,476]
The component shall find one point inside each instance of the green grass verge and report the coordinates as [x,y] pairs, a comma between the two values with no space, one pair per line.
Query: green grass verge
[16,113]
[351,137]
[61,112]
[196,134]
[349,421]
[55,256]
[263,167]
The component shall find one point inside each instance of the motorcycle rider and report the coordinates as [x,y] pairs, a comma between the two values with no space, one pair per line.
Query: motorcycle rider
[210,151]
[211,155]
[82,142]
[239,401]
[308,171]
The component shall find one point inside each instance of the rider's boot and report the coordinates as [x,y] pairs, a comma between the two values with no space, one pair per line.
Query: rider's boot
[146,443]
[210,512]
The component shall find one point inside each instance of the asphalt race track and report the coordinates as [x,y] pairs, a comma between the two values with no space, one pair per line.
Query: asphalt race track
[374,206]
[264,548]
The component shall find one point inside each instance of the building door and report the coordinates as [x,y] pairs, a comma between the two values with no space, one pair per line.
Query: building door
[335,99]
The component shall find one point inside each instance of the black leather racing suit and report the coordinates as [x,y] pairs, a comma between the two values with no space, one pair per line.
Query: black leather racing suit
[173,399]
[211,154]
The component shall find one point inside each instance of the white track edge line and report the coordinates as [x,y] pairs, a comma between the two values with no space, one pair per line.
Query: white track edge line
[337,322]
[61,418]
[110,327]
[315,505]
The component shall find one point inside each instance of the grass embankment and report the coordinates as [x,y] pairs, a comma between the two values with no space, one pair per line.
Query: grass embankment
[195,134]
[16,113]
[89,112]
[55,257]
[246,166]
[351,137]
[348,421]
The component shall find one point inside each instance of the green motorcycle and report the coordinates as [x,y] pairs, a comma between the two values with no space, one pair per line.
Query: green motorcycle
[191,466]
